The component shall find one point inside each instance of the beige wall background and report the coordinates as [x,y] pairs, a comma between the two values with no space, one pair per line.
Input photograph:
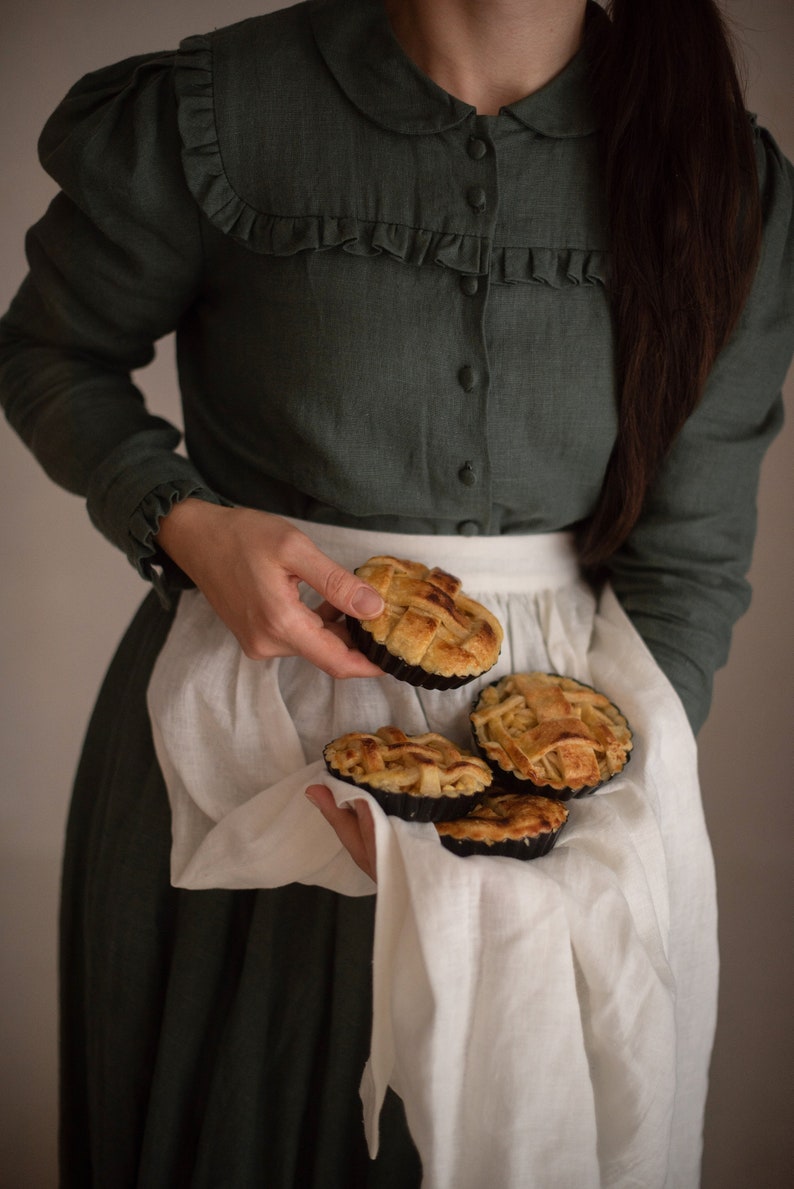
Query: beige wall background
[66,597]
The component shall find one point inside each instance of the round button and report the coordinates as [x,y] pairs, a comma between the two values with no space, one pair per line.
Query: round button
[467,475]
[475,197]
[466,378]
[469,286]
[469,528]
[477,148]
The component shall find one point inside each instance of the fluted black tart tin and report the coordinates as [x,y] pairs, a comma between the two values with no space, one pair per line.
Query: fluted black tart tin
[510,780]
[413,807]
[396,666]
[511,848]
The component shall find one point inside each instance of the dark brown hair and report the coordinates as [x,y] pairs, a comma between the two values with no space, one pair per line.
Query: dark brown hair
[682,194]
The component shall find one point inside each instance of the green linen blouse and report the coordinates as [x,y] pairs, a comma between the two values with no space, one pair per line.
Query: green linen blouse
[391,314]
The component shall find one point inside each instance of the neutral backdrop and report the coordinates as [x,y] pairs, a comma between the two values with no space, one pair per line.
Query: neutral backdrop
[66,597]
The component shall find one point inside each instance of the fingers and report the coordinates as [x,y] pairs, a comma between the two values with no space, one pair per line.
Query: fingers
[338,586]
[317,635]
[354,826]
[293,629]
[327,650]
[249,566]
[328,613]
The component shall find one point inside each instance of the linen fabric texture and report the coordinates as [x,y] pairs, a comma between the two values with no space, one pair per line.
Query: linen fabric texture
[302,205]
[545,1023]
[392,316]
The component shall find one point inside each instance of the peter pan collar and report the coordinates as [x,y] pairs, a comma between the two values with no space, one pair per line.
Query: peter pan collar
[356,42]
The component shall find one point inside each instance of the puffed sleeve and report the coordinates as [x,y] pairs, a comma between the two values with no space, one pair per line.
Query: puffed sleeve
[682,574]
[114,264]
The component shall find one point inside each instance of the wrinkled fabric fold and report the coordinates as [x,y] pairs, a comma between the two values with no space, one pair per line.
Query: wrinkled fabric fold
[546,1022]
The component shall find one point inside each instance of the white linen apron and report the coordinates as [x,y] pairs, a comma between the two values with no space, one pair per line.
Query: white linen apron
[546,1023]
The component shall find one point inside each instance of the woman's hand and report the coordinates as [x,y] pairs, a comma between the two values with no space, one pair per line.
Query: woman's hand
[248,565]
[354,826]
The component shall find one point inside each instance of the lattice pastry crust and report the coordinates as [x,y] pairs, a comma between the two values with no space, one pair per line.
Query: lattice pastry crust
[428,621]
[422,765]
[508,816]
[551,731]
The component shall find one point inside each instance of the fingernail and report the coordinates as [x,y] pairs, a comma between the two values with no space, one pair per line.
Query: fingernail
[311,797]
[367,603]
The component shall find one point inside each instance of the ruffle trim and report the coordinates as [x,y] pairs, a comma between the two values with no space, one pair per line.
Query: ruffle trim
[286,235]
[550,266]
[152,563]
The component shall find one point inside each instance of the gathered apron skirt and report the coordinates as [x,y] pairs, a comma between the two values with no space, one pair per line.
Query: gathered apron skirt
[545,1023]
[217,1034]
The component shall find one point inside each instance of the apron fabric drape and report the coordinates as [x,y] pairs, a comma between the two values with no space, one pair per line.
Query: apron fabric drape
[546,1022]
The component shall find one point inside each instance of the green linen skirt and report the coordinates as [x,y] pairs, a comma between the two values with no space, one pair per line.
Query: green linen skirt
[209,1039]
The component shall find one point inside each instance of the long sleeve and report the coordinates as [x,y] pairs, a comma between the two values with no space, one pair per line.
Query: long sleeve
[114,263]
[682,574]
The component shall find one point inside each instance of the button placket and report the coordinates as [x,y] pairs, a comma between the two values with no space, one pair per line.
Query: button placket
[469,376]
[477,199]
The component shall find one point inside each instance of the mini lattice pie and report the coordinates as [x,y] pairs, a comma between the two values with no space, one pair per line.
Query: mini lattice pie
[550,732]
[430,633]
[517,825]
[421,777]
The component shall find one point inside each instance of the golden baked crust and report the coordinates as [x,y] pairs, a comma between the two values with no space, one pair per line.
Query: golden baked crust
[428,621]
[551,731]
[422,765]
[504,817]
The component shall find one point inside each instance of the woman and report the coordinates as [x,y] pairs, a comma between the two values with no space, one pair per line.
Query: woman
[465,230]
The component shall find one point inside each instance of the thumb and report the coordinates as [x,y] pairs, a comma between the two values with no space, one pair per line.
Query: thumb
[337,585]
[366,603]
